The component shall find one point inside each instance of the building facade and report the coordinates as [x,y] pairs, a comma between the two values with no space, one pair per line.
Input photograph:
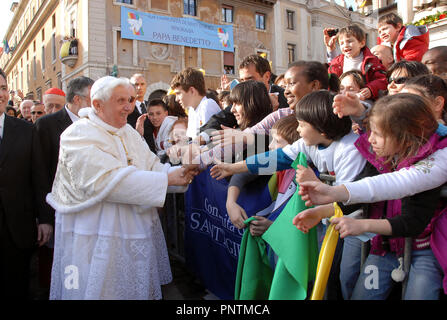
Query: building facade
[54,41]
[33,36]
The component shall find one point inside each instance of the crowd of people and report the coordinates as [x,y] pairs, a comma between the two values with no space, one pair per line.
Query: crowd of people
[83,172]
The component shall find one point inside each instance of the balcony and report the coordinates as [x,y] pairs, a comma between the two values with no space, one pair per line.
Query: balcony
[69,52]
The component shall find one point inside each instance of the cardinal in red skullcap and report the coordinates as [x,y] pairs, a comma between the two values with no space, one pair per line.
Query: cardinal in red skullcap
[54,100]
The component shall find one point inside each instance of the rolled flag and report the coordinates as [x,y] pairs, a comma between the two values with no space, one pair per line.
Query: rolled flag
[326,256]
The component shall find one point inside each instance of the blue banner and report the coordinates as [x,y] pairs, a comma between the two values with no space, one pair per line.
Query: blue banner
[211,241]
[188,32]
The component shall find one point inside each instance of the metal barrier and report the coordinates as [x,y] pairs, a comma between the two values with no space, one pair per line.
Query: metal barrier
[172,217]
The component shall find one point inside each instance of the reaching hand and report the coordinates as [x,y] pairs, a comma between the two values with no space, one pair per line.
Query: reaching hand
[221,170]
[237,214]
[191,169]
[224,83]
[314,193]
[230,136]
[356,128]
[305,174]
[174,154]
[274,100]
[259,226]
[309,218]
[347,105]
[20,94]
[348,226]
[364,94]
[139,126]
[189,154]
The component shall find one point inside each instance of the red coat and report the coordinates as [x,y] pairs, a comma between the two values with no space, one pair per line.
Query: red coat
[411,44]
[372,69]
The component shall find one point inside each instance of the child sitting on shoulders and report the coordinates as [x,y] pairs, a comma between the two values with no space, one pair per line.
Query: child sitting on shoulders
[408,42]
[355,55]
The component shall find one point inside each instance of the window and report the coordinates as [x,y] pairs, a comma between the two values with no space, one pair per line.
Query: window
[228,62]
[43,58]
[59,80]
[290,20]
[260,21]
[73,24]
[34,68]
[128,3]
[53,47]
[39,93]
[227,14]
[291,52]
[190,7]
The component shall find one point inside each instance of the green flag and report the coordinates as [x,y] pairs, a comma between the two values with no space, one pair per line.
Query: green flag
[297,252]
[254,274]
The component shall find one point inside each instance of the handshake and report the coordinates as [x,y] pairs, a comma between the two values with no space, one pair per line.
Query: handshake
[184,175]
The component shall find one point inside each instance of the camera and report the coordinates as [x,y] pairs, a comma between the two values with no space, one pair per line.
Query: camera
[332,32]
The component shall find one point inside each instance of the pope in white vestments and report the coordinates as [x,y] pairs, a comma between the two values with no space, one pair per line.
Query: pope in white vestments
[109,243]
